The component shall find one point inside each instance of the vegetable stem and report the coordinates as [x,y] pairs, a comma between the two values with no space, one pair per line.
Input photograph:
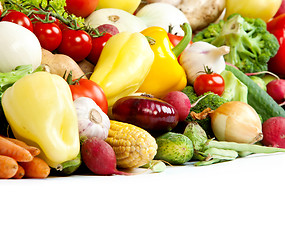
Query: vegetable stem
[178,49]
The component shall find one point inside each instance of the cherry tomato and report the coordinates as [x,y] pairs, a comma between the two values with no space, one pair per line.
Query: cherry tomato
[209,82]
[97,46]
[49,35]
[81,8]
[75,43]
[88,88]
[18,18]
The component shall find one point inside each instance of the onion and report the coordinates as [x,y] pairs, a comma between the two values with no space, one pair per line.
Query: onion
[18,46]
[121,19]
[236,122]
[163,15]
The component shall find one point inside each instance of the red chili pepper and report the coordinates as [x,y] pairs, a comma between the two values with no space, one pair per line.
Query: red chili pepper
[277,27]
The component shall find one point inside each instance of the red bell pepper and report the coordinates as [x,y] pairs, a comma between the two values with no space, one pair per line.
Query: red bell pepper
[175,39]
[277,27]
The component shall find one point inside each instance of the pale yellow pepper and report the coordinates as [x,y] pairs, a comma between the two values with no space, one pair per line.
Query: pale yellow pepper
[123,65]
[39,109]
[126,5]
[264,9]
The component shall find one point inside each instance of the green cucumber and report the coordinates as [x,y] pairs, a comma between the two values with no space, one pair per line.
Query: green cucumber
[263,104]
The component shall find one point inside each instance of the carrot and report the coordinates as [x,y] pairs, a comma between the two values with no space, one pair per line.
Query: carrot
[20,173]
[33,150]
[37,168]
[13,150]
[8,167]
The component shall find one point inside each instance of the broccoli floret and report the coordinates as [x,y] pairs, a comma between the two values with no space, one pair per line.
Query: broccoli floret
[189,91]
[7,80]
[251,44]
[211,100]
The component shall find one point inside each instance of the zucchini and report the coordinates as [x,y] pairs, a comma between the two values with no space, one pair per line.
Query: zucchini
[259,99]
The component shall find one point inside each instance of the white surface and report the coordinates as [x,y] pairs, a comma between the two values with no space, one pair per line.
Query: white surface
[238,200]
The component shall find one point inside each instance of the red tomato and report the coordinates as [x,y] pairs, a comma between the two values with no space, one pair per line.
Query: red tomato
[209,82]
[18,18]
[88,88]
[1,9]
[49,35]
[81,8]
[97,46]
[75,43]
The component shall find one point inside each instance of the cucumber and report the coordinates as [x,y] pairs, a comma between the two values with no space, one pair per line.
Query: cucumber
[259,99]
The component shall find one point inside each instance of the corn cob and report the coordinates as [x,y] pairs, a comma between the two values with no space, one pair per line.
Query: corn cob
[133,145]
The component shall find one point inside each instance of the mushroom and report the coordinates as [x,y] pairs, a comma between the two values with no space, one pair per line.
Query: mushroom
[199,13]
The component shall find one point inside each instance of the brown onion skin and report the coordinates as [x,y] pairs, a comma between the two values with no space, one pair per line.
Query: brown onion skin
[146,112]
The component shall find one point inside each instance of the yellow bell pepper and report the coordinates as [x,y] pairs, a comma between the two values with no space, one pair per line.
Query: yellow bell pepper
[123,65]
[166,74]
[126,5]
[264,9]
[40,111]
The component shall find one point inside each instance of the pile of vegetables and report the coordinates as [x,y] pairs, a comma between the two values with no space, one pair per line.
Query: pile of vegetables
[104,87]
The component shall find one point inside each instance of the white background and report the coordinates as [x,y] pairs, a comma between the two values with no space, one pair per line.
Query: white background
[237,200]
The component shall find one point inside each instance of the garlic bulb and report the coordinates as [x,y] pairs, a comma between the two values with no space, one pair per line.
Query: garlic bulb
[92,121]
[201,54]
[123,20]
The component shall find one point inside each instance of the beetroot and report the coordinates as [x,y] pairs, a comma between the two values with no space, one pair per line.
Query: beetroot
[99,157]
[276,89]
[274,132]
[180,102]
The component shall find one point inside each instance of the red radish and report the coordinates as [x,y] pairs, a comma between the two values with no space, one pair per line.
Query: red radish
[99,157]
[273,130]
[180,102]
[276,89]
[108,28]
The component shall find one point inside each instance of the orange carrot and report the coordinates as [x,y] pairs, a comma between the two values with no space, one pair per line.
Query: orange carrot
[8,167]
[37,168]
[33,150]
[20,173]
[13,150]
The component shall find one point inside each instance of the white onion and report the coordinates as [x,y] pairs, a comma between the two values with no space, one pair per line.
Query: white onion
[163,15]
[18,46]
[123,20]
[236,122]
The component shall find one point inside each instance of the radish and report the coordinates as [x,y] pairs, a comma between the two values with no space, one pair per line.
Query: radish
[180,102]
[273,130]
[99,157]
[276,89]
[108,28]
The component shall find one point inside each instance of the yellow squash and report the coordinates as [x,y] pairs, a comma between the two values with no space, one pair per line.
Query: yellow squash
[123,65]
[166,74]
[40,111]
[264,9]
[126,5]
